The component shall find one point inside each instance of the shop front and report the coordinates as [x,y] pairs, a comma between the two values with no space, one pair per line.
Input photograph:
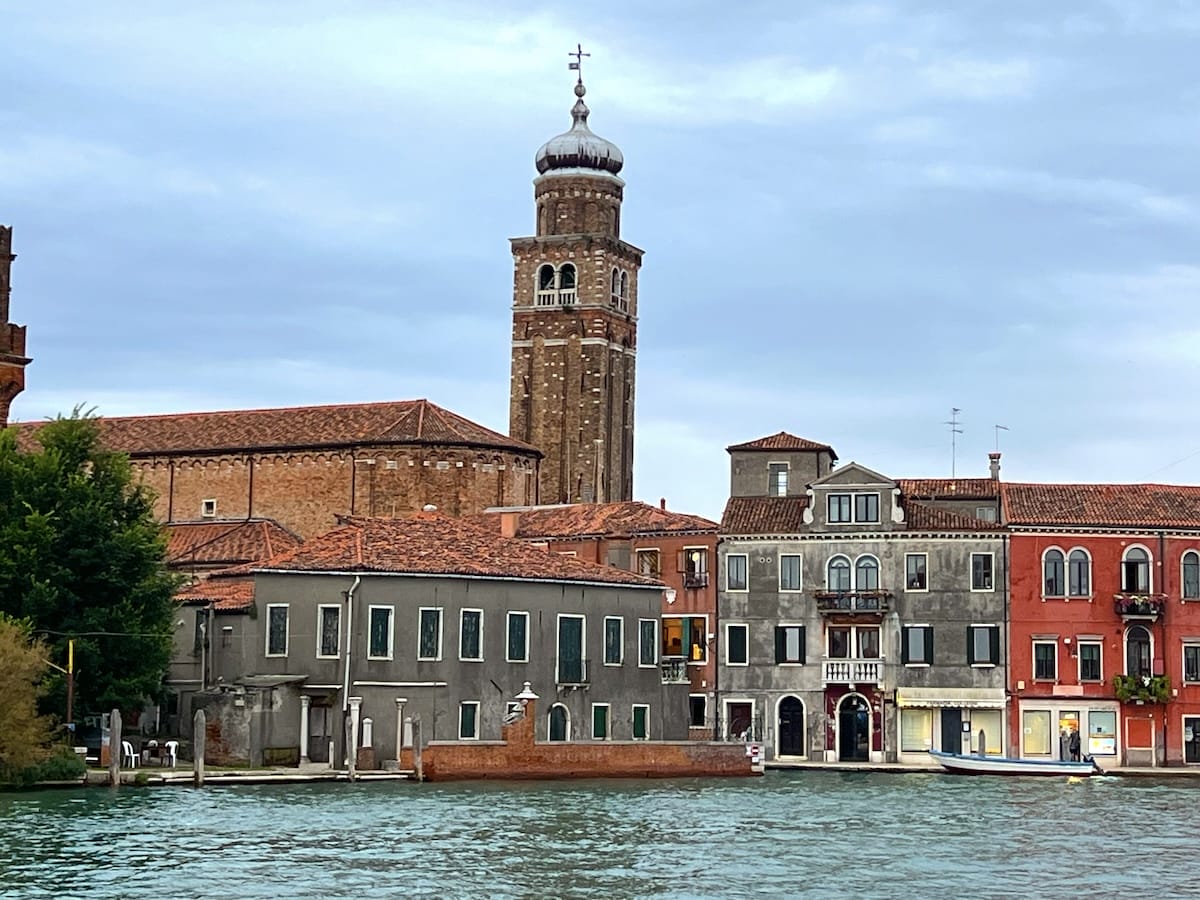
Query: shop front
[953,720]
[1053,729]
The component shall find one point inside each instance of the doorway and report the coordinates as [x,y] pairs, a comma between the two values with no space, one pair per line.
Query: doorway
[1191,739]
[560,723]
[952,731]
[854,729]
[791,727]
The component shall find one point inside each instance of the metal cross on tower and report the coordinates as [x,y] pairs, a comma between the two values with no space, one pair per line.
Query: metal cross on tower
[577,66]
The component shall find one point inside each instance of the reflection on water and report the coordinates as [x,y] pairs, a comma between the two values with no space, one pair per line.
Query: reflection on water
[787,834]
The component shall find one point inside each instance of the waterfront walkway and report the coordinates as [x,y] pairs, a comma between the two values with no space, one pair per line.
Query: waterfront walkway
[908,768]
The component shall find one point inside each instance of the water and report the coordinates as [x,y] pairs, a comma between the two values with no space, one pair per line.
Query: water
[796,834]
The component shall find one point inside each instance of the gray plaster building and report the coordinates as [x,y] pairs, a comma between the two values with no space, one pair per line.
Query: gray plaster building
[862,617]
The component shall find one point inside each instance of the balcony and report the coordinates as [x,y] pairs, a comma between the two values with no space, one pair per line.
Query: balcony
[695,580]
[572,672]
[854,602]
[675,671]
[1140,606]
[852,671]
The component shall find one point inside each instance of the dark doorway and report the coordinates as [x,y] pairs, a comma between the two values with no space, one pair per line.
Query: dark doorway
[1191,740]
[558,723]
[791,727]
[952,731]
[854,729]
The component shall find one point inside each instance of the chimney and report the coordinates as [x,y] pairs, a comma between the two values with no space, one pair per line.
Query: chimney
[994,464]
[508,524]
[662,503]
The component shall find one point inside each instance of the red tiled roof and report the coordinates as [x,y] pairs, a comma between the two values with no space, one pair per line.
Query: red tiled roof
[950,488]
[227,542]
[1116,505]
[782,441]
[399,422]
[224,593]
[922,517]
[436,544]
[612,519]
[764,515]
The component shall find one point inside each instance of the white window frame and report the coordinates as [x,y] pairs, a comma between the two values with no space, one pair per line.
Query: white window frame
[1182,560]
[787,474]
[829,498]
[990,627]
[800,571]
[1066,574]
[803,644]
[287,631]
[208,508]
[1086,595]
[745,570]
[462,615]
[878,508]
[1149,570]
[704,700]
[1091,642]
[1183,660]
[654,644]
[321,630]
[633,722]
[607,707]
[461,706]
[507,630]
[620,620]
[729,626]
[913,590]
[991,569]
[854,585]
[927,656]
[1033,659]
[849,572]
[391,649]
[421,610]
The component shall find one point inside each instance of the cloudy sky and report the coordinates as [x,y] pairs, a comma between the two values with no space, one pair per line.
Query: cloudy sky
[856,216]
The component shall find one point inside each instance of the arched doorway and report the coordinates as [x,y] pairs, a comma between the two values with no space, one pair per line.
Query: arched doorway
[560,723]
[791,727]
[854,729]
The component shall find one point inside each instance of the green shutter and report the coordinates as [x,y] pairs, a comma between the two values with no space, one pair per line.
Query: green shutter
[904,645]
[994,645]
[780,644]
[803,645]
[971,660]
[929,645]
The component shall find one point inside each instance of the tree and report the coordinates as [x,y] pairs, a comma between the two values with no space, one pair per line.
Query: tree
[24,734]
[81,555]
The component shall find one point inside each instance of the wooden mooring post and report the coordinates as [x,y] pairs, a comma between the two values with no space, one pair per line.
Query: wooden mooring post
[115,751]
[199,734]
[418,767]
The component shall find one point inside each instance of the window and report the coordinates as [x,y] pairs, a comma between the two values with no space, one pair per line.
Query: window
[735,572]
[379,632]
[985,513]
[866,574]
[916,645]
[837,575]
[600,717]
[328,631]
[981,571]
[983,645]
[429,633]
[693,563]
[697,710]
[570,650]
[1045,660]
[789,644]
[777,479]
[839,508]
[1137,651]
[737,640]
[614,640]
[1036,725]
[1079,569]
[916,730]
[1190,580]
[208,508]
[641,722]
[1135,571]
[1089,661]
[866,508]
[852,642]
[684,636]
[1191,663]
[915,567]
[1053,574]
[470,635]
[647,638]
[277,629]
[200,631]
[789,573]
[649,563]
[518,637]
[468,720]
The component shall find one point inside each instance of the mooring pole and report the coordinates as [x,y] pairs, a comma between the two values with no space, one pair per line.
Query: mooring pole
[114,748]
[199,727]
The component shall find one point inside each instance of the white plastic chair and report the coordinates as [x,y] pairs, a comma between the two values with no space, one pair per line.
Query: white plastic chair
[172,751]
[128,757]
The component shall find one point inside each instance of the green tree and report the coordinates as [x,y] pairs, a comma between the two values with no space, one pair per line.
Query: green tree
[81,555]
[24,734]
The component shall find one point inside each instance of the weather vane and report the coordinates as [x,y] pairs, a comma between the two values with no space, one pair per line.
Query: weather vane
[577,65]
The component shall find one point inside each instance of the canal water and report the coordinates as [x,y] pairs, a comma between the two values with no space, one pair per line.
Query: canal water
[787,834]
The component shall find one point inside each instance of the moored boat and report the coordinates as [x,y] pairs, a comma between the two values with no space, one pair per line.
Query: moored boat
[961,764]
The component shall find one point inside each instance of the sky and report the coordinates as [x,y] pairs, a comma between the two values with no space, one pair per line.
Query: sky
[857,216]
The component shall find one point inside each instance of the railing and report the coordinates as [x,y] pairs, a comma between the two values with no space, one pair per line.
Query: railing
[572,671]
[675,671]
[739,729]
[852,671]
[693,580]
[547,298]
[567,298]
[1139,606]
[875,602]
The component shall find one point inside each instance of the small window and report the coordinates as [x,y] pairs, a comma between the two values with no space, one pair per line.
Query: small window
[470,635]
[1190,580]
[1191,663]
[641,722]
[866,574]
[777,479]
[1079,570]
[647,642]
[328,631]
[789,573]
[839,508]
[789,644]
[697,710]
[1045,660]
[277,629]
[208,508]
[981,571]
[737,645]
[693,563]
[915,569]
[429,634]
[566,277]
[614,640]
[866,508]
[983,645]
[916,645]
[468,720]
[379,625]
[1053,570]
[600,720]
[546,278]
[1135,571]
[1089,661]
[837,576]
[985,513]
[735,572]
[649,563]
[518,637]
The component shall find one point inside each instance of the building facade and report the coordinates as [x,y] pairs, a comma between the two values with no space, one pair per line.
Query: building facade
[12,337]
[574,327]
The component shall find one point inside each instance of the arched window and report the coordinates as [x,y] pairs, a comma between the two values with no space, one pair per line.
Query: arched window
[624,291]
[1191,575]
[566,277]
[1135,571]
[838,574]
[1137,652]
[1079,582]
[866,574]
[615,288]
[1052,568]
[546,278]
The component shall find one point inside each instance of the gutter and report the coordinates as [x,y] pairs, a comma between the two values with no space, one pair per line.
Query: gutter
[514,578]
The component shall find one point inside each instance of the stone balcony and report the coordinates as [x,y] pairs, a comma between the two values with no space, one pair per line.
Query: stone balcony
[869,603]
[852,671]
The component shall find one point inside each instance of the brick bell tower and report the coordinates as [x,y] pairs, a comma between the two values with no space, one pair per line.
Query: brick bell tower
[574,338]
[12,337]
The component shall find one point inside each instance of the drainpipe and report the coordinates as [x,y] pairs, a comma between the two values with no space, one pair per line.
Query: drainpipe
[1006,731]
[1163,588]
[715,658]
[349,595]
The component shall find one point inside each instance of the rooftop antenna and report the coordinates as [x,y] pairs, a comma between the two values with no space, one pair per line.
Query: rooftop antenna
[577,65]
[955,431]
[998,429]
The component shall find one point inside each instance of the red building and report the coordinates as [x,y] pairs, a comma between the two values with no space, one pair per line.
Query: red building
[1104,621]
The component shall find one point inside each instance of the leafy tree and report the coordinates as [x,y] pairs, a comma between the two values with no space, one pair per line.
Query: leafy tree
[24,734]
[81,555]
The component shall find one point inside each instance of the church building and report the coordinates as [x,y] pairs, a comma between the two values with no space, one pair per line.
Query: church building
[12,337]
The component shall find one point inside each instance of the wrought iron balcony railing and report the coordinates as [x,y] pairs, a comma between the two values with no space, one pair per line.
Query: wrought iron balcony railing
[872,602]
[1140,606]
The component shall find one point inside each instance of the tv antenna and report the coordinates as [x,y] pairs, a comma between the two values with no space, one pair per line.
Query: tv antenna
[955,431]
[998,429]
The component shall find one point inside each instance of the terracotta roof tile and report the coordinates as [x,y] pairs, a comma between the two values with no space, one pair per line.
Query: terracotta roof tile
[399,422]
[922,517]
[951,488]
[436,544]
[1118,505]
[782,441]
[764,515]
[613,519]
[227,542]
[226,594]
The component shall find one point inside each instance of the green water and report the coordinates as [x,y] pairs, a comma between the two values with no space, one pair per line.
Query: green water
[815,834]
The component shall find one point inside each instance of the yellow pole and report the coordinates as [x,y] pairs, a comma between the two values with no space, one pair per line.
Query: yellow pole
[71,685]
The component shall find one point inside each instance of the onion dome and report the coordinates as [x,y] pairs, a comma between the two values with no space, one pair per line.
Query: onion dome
[579,148]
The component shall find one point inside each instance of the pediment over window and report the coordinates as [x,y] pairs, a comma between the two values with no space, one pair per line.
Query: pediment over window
[854,475]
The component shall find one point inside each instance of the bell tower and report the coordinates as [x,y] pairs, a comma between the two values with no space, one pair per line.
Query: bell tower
[574,337]
[12,337]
